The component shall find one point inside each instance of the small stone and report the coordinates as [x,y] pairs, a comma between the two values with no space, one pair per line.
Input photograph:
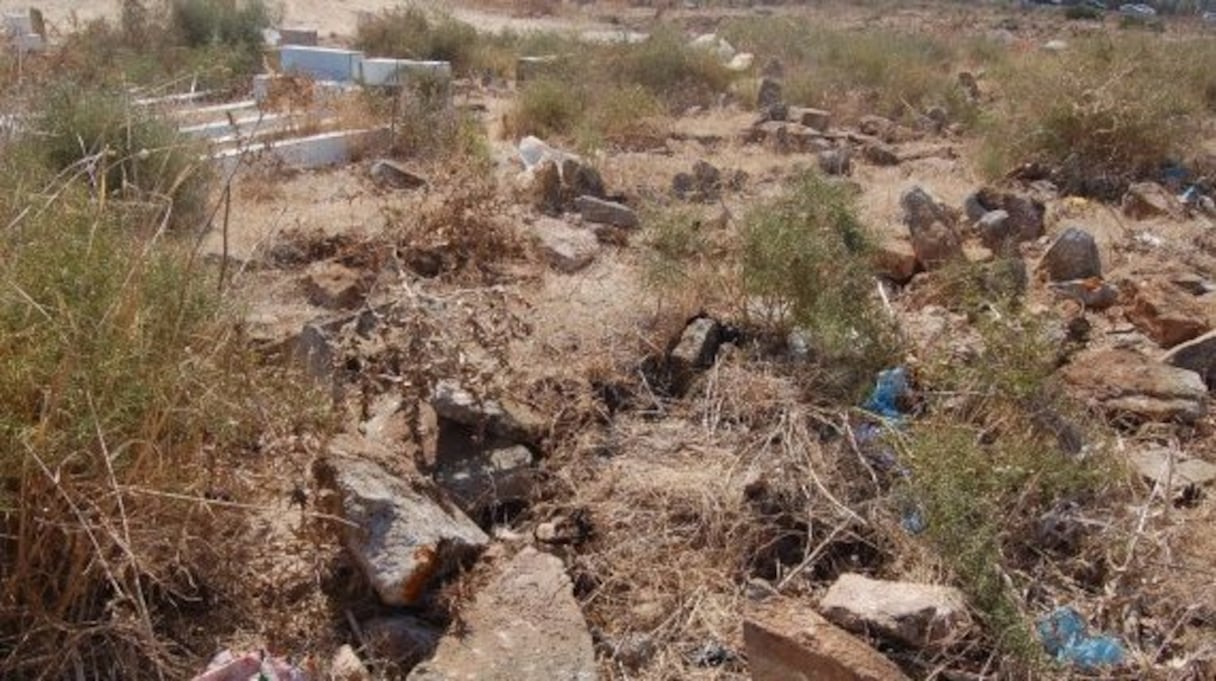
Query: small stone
[580,179]
[919,615]
[506,418]
[935,244]
[1167,314]
[882,128]
[1026,213]
[566,249]
[479,479]
[1126,384]
[786,641]
[542,184]
[698,346]
[921,208]
[606,212]
[1092,293]
[346,666]
[1155,464]
[818,119]
[1055,46]
[1198,355]
[895,260]
[974,208]
[334,286]
[403,639]
[401,536]
[1073,255]
[391,174]
[524,625]
[994,228]
[1148,200]
[769,94]
[880,154]
[312,350]
[835,162]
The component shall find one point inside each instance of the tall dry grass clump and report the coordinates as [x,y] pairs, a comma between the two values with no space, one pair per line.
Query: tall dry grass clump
[125,400]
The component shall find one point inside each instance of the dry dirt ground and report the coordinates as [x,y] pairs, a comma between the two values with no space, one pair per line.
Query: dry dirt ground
[650,479]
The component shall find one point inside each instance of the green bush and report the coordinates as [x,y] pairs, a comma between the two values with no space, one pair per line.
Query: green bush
[1110,112]
[669,69]
[228,22]
[124,152]
[412,32]
[1083,13]
[807,255]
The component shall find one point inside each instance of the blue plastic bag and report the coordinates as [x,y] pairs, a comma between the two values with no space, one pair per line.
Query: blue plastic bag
[1065,636]
[891,386]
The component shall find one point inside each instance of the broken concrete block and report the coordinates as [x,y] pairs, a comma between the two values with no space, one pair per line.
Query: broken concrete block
[506,419]
[606,212]
[920,615]
[787,641]
[321,63]
[402,535]
[524,625]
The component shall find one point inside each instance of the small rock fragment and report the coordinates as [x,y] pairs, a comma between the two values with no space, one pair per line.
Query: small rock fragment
[786,641]
[1161,465]
[566,249]
[835,162]
[1092,293]
[1167,314]
[880,154]
[994,228]
[480,479]
[895,260]
[606,212]
[506,418]
[1073,255]
[698,345]
[1124,383]
[334,286]
[1198,355]
[403,639]
[919,615]
[1149,199]
[818,119]
[391,174]
[346,666]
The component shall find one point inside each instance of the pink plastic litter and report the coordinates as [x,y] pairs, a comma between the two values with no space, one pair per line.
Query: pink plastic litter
[250,667]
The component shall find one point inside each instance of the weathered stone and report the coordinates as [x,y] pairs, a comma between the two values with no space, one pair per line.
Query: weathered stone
[606,212]
[566,249]
[935,244]
[812,118]
[895,260]
[1149,199]
[312,350]
[786,641]
[1167,314]
[403,639]
[994,229]
[877,126]
[921,208]
[402,536]
[1198,355]
[524,625]
[1073,255]
[880,154]
[479,479]
[505,418]
[968,82]
[920,615]
[835,162]
[391,174]
[542,184]
[698,345]
[1026,213]
[1124,383]
[768,94]
[334,286]
[974,208]
[581,179]
[346,666]
[1092,293]
[1154,463]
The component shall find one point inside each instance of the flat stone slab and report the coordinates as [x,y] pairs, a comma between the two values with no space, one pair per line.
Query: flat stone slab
[1154,464]
[920,615]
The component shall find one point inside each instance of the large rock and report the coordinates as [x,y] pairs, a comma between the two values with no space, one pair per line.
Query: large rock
[768,95]
[522,626]
[1167,314]
[401,534]
[995,230]
[605,212]
[1198,355]
[479,479]
[1126,384]
[1162,466]
[502,418]
[931,226]
[1026,214]
[919,615]
[787,641]
[895,260]
[920,208]
[1148,200]
[565,248]
[1073,255]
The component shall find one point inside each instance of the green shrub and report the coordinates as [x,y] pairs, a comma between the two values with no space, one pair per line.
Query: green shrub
[412,32]
[227,22]
[1083,13]
[1110,112]
[669,69]
[124,152]
[807,255]
[547,107]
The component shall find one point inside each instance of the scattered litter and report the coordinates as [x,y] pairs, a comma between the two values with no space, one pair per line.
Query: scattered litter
[1065,637]
[250,667]
[713,654]
[892,386]
[1148,239]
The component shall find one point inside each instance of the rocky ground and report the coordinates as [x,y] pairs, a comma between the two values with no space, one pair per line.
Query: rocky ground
[548,470]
